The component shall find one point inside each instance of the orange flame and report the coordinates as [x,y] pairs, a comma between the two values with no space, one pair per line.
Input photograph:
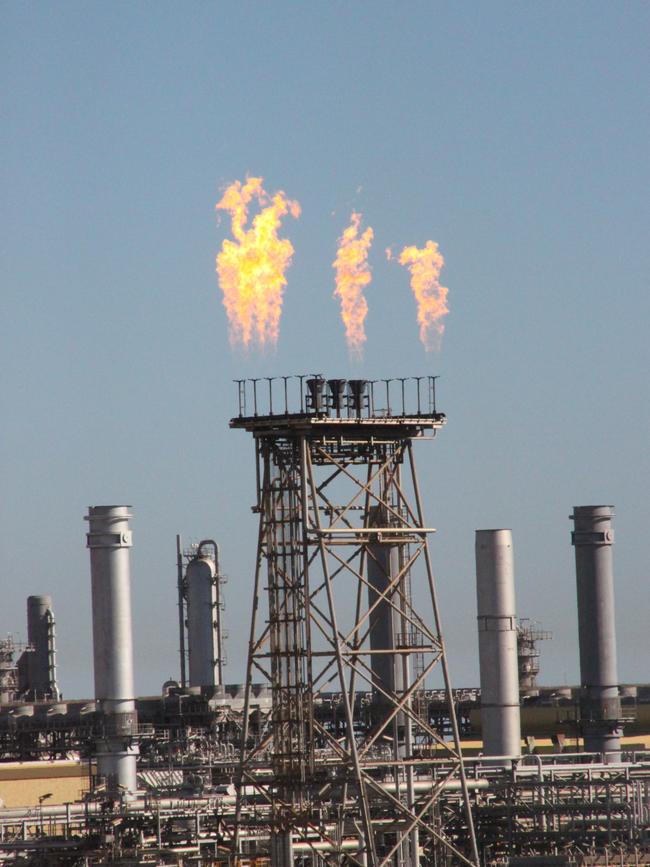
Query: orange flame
[252,268]
[352,276]
[425,266]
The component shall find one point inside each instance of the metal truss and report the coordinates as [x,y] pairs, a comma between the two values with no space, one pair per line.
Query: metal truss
[341,538]
[583,812]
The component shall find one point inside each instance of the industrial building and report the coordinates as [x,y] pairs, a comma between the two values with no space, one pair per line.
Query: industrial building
[336,749]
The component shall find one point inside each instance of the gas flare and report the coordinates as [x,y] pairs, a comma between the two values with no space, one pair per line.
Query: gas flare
[425,265]
[252,267]
[352,276]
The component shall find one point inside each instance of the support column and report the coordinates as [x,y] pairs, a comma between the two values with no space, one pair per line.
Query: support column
[281,849]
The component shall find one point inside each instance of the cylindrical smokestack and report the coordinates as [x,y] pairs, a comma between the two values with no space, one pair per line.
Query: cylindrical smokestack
[382,568]
[41,661]
[497,638]
[109,540]
[202,620]
[600,705]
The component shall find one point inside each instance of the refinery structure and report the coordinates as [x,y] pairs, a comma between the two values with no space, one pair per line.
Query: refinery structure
[347,744]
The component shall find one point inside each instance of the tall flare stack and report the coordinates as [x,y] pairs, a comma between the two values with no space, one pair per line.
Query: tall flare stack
[109,541]
[497,635]
[341,526]
[600,705]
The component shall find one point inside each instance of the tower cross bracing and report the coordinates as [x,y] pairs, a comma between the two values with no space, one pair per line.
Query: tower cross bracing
[342,538]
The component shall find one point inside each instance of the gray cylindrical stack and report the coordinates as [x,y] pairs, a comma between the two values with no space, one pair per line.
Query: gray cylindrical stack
[600,706]
[202,633]
[109,540]
[382,568]
[497,634]
[41,662]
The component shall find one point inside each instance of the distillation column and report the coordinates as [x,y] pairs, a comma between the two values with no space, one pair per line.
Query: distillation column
[204,618]
[600,705]
[41,662]
[109,541]
[497,636]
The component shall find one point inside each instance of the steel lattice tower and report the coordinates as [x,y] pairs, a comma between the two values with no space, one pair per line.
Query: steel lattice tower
[340,531]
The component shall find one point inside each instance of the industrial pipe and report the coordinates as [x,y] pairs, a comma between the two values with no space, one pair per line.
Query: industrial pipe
[109,540]
[600,704]
[497,636]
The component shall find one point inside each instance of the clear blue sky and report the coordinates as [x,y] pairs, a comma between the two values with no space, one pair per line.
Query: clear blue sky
[513,134]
